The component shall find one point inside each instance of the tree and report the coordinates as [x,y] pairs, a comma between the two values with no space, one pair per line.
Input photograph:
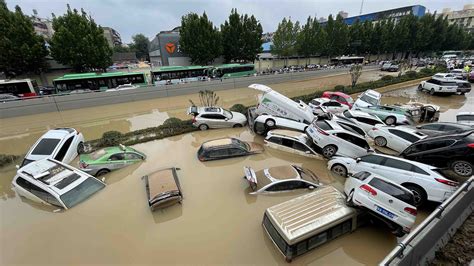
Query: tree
[337,36]
[284,39]
[79,42]
[122,49]
[356,38]
[355,71]
[21,49]
[241,37]
[307,41]
[199,39]
[207,98]
[140,45]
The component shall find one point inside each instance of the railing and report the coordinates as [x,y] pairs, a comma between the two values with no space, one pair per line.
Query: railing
[422,242]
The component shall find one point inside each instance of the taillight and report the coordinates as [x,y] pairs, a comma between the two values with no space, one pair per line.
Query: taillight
[471,145]
[447,182]
[410,211]
[322,131]
[369,189]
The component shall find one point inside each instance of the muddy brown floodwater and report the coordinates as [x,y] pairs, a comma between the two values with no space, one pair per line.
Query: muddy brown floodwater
[218,222]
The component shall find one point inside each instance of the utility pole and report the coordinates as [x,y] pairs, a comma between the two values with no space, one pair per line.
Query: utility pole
[361,6]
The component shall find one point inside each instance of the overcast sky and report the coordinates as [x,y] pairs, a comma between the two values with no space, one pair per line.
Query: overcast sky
[130,17]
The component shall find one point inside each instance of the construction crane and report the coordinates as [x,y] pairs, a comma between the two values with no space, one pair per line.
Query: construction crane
[361,6]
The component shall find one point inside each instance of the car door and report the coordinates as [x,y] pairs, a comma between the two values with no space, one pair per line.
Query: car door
[396,170]
[396,140]
[369,163]
[116,161]
[350,145]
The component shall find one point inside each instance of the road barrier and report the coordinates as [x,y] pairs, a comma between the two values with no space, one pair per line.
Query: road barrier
[419,247]
[60,103]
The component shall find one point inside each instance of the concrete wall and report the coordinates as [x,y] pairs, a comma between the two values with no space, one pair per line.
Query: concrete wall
[75,101]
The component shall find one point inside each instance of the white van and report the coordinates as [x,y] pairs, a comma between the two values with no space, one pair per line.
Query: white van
[271,102]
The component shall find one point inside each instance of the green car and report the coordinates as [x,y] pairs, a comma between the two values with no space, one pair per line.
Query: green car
[108,159]
[391,115]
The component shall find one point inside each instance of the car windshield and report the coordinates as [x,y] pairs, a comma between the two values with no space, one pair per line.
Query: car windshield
[96,155]
[81,192]
[306,174]
[465,117]
[349,100]
[228,114]
[26,161]
[242,144]
[45,147]
[369,99]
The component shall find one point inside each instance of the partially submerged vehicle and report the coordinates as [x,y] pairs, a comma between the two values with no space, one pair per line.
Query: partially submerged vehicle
[304,223]
[427,112]
[292,141]
[368,98]
[227,148]
[465,118]
[280,179]
[261,124]
[391,115]
[271,102]
[51,182]
[163,188]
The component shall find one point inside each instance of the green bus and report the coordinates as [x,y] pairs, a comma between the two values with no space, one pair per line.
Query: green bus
[97,81]
[232,71]
[178,74]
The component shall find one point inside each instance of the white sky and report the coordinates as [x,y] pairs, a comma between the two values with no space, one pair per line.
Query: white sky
[151,16]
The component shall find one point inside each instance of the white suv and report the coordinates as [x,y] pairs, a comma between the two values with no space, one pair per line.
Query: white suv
[62,144]
[368,98]
[439,85]
[423,180]
[333,139]
[215,117]
[53,183]
[364,120]
[386,200]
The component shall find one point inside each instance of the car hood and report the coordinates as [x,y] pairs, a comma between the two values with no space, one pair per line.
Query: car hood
[255,147]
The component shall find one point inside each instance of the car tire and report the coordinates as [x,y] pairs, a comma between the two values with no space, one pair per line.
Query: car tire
[349,199]
[380,141]
[339,169]
[270,123]
[329,151]
[419,193]
[237,125]
[102,172]
[80,148]
[432,91]
[397,230]
[420,88]
[390,120]
[203,127]
[462,168]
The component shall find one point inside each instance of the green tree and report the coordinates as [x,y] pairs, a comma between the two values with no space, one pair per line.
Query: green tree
[21,50]
[79,42]
[356,38]
[337,36]
[140,45]
[241,37]
[122,49]
[199,39]
[309,41]
[285,37]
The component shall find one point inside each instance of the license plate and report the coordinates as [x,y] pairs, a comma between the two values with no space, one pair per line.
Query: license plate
[385,212]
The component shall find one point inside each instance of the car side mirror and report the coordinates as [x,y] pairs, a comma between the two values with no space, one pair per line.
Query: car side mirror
[17,166]
[311,187]
[358,160]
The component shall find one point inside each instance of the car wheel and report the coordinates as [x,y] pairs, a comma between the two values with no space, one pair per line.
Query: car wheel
[339,169]
[432,91]
[390,120]
[102,172]
[349,199]
[80,148]
[462,168]
[380,141]
[237,125]
[270,123]
[203,127]
[420,88]
[329,151]
[419,193]
[398,230]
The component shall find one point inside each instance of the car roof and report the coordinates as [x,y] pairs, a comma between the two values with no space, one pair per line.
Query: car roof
[218,142]
[283,172]
[403,160]
[362,114]
[338,93]
[161,181]
[322,100]
[373,93]
[58,133]
[449,123]
[285,132]
[208,109]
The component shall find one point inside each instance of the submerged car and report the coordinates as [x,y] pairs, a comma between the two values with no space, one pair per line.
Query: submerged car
[292,141]
[61,144]
[227,148]
[163,188]
[263,123]
[384,199]
[108,159]
[216,117]
[391,115]
[51,182]
[280,178]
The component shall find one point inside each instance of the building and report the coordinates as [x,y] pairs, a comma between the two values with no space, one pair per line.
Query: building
[463,18]
[164,50]
[395,14]
[42,26]
[112,36]
[268,36]
[343,14]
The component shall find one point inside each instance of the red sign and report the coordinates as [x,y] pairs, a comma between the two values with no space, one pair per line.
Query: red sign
[170,47]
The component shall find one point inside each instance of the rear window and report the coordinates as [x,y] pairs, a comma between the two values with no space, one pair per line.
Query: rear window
[323,125]
[465,117]
[393,190]
[46,146]
[361,175]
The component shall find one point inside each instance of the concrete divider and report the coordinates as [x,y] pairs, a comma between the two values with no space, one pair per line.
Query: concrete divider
[60,103]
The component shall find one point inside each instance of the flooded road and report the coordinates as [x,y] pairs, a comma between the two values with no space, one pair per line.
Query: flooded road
[218,222]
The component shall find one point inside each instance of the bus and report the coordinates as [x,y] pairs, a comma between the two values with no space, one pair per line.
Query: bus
[23,88]
[346,60]
[97,81]
[178,74]
[232,71]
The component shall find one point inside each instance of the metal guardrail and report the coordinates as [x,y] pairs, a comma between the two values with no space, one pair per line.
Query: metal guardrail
[422,242]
